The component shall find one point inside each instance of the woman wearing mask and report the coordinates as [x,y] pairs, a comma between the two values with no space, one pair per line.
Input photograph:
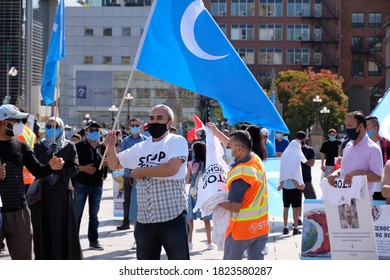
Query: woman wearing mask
[195,168]
[54,219]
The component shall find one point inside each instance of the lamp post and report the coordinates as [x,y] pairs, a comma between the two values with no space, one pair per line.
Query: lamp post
[128,97]
[317,100]
[113,109]
[324,112]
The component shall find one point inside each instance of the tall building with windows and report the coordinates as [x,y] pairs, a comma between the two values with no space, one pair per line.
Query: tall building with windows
[344,36]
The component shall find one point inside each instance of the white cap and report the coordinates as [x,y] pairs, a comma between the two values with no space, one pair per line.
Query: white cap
[9,111]
[264,131]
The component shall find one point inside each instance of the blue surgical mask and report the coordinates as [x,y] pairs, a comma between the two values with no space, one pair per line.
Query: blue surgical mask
[371,133]
[229,156]
[332,137]
[50,132]
[93,136]
[135,130]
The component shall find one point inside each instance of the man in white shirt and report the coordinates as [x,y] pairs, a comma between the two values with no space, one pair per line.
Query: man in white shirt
[159,165]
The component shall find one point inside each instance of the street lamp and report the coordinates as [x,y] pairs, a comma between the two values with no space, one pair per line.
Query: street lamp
[10,72]
[86,119]
[317,100]
[113,109]
[325,110]
[128,97]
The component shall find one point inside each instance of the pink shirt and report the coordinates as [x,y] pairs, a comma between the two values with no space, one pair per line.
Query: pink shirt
[365,156]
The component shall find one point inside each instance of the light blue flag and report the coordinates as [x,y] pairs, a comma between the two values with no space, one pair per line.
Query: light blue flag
[55,53]
[275,197]
[382,112]
[184,46]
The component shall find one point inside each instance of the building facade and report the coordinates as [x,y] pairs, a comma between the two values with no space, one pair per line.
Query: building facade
[344,36]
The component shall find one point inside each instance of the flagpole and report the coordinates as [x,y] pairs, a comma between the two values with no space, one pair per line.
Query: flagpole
[119,111]
[56,101]
[131,73]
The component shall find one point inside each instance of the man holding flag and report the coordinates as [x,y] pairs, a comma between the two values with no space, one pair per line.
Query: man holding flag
[159,164]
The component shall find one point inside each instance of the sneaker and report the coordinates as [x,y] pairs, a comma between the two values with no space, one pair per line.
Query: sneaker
[210,246]
[299,222]
[2,246]
[190,246]
[134,246]
[296,231]
[285,230]
[123,226]
[95,246]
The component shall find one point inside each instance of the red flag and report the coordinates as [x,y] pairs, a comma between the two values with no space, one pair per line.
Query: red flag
[198,124]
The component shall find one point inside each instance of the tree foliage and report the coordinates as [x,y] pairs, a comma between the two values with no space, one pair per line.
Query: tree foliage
[296,91]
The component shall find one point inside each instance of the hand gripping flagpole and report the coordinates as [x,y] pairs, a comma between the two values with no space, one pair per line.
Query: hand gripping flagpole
[119,112]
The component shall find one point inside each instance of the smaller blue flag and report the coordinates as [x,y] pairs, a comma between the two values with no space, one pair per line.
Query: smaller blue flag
[382,112]
[55,53]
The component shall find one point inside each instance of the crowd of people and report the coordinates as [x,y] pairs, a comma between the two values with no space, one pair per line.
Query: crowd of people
[157,168]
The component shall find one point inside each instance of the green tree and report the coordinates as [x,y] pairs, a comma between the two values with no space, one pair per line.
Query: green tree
[296,91]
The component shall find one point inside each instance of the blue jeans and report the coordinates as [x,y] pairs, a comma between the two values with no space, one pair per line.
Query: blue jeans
[94,194]
[172,235]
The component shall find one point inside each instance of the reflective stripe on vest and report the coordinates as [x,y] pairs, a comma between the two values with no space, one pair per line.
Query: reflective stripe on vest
[256,209]
[252,219]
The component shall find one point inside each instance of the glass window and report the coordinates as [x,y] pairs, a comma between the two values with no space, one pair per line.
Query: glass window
[298,8]
[223,28]
[271,32]
[242,32]
[357,44]
[88,31]
[357,20]
[243,8]
[374,68]
[270,56]
[375,44]
[298,32]
[88,59]
[298,56]
[374,20]
[218,8]
[125,60]
[247,55]
[357,68]
[107,31]
[107,60]
[271,8]
[126,31]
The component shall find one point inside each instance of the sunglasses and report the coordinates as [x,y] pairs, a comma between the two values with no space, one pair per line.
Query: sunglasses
[49,126]
[93,130]
[134,125]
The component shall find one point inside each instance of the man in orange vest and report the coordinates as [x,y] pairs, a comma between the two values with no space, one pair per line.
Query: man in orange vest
[29,138]
[248,201]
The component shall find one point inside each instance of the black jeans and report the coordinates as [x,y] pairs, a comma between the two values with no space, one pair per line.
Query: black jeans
[172,235]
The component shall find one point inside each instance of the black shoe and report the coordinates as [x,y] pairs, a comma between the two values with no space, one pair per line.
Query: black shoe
[285,231]
[123,226]
[299,222]
[95,246]
[2,246]
[296,231]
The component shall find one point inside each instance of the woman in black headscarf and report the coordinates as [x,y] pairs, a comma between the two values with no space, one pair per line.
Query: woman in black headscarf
[54,223]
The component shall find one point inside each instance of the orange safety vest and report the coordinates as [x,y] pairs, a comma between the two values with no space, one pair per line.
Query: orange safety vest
[29,138]
[252,219]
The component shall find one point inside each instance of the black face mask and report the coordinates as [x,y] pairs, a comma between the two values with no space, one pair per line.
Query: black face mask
[9,130]
[352,133]
[156,130]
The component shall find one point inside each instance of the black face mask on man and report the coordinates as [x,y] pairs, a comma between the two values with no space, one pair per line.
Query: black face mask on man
[352,134]
[156,130]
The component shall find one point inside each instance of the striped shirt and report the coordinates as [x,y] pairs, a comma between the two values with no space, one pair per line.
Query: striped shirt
[15,154]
